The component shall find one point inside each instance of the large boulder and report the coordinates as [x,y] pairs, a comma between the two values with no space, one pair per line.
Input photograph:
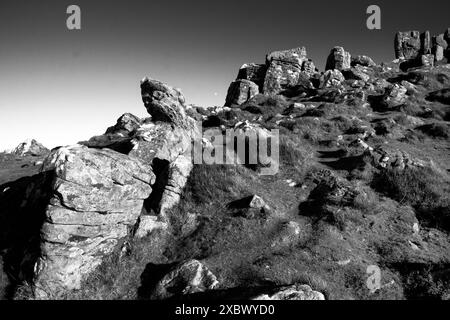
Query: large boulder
[96,196]
[163,142]
[427,60]
[294,292]
[357,72]
[407,45]
[284,69]
[338,59]
[241,91]
[164,103]
[186,278]
[30,147]
[295,56]
[166,144]
[365,61]
[439,46]
[425,39]
[309,68]
[253,72]
[119,136]
[394,96]
[332,78]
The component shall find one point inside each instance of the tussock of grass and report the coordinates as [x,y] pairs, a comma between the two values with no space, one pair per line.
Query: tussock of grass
[422,188]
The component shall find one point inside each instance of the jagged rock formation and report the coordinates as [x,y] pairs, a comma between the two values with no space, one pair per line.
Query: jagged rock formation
[363,61]
[30,147]
[394,96]
[96,197]
[282,70]
[241,91]
[332,78]
[162,141]
[338,59]
[420,49]
[95,194]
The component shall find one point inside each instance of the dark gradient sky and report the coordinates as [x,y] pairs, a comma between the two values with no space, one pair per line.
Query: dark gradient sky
[62,86]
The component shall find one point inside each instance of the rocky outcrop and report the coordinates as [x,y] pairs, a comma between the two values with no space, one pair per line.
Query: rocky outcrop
[332,78]
[283,70]
[187,278]
[91,196]
[365,61]
[118,137]
[162,141]
[166,143]
[407,45]
[420,49]
[96,197]
[439,45]
[385,158]
[294,292]
[30,147]
[241,91]
[165,103]
[254,73]
[338,59]
[394,96]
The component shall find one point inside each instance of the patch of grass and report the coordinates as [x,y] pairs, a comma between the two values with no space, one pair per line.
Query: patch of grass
[422,188]
[436,130]
[209,184]
[119,275]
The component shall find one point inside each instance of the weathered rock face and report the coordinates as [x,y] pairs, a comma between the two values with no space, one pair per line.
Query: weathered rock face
[427,60]
[117,137]
[295,56]
[407,45]
[241,91]
[187,278]
[439,46]
[294,292]
[338,59]
[92,196]
[309,68]
[164,103]
[30,147]
[282,71]
[394,96]
[420,49]
[332,78]
[162,141]
[284,68]
[356,73]
[365,61]
[254,73]
[425,39]
[96,197]
[166,145]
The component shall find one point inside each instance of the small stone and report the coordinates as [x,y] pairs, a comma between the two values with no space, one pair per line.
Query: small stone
[257,202]
[294,292]
[416,227]
[148,224]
